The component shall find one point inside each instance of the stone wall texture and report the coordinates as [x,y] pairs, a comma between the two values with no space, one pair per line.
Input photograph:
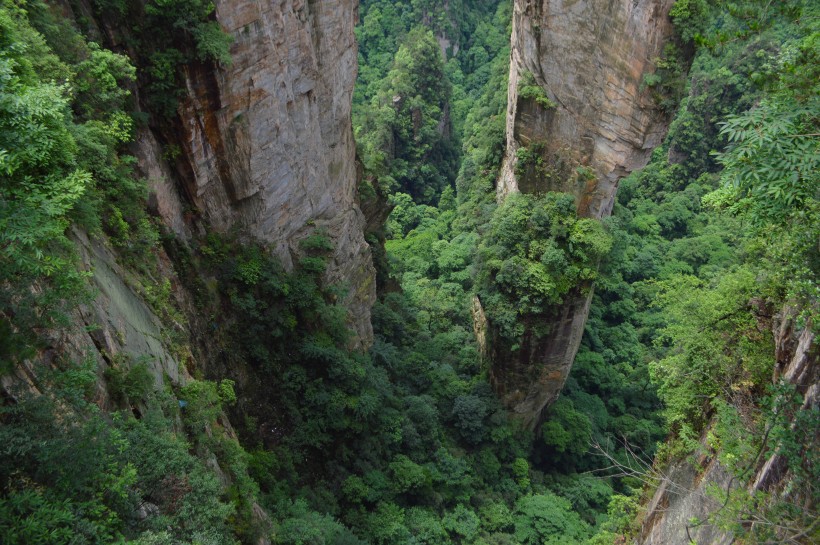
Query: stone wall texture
[683,488]
[589,57]
[267,142]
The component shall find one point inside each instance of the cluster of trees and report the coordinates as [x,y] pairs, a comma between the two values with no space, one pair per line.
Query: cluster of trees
[710,225]
[404,133]
[407,443]
[69,473]
[535,251]
[422,67]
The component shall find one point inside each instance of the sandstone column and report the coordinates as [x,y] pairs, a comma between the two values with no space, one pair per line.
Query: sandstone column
[589,58]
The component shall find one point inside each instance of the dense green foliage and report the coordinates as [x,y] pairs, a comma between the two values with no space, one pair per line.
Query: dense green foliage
[71,474]
[404,133]
[535,251]
[716,242]
[412,99]
[64,121]
[671,324]
[407,444]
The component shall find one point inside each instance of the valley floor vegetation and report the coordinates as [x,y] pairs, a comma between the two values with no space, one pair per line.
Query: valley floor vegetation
[406,443]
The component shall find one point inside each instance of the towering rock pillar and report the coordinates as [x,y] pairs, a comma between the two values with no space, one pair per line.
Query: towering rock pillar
[267,140]
[575,100]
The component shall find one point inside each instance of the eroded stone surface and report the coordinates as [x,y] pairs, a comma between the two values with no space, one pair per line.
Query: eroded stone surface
[684,492]
[680,498]
[531,378]
[589,57]
[268,143]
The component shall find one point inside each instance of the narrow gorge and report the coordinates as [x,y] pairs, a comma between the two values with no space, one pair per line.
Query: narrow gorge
[428,272]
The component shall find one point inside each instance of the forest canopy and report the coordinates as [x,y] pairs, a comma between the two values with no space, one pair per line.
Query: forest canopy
[406,442]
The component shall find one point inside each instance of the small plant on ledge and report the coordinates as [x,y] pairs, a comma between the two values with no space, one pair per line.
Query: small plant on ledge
[528,89]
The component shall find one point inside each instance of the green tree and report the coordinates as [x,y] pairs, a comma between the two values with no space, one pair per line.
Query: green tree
[715,344]
[404,136]
[40,186]
[463,522]
[546,519]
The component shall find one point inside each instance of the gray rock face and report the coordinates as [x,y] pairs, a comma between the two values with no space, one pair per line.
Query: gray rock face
[117,328]
[588,57]
[267,142]
[682,496]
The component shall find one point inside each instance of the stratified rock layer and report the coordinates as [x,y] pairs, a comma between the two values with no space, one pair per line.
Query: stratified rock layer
[268,143]
[589,58]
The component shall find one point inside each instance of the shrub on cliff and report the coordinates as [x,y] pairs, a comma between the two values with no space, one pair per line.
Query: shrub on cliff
[536,252]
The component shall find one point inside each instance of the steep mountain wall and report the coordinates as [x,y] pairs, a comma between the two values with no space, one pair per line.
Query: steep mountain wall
[267,143]
[588,59]
[686,490]
[262,148]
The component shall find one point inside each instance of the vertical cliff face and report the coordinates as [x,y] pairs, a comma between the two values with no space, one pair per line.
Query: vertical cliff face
[577,104]
[589,57]
[267,142]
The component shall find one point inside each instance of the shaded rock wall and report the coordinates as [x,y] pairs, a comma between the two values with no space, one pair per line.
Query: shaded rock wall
[531,378]
[267,142]
[681,497]
[117,328]
[589,57]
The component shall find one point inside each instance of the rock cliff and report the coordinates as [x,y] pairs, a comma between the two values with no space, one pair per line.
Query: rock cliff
[267,143]
[686,491]
[261,147]
[589,58]
[591,123]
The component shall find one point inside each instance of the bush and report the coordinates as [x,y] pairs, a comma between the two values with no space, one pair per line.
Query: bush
[528,89]
[132,385]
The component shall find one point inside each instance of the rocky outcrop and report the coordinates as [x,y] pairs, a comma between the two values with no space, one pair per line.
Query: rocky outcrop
[115,329]
[796,357]
[681,502]
[585,116]
[686,492]
[530,378]
[589,57]
[267,144]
